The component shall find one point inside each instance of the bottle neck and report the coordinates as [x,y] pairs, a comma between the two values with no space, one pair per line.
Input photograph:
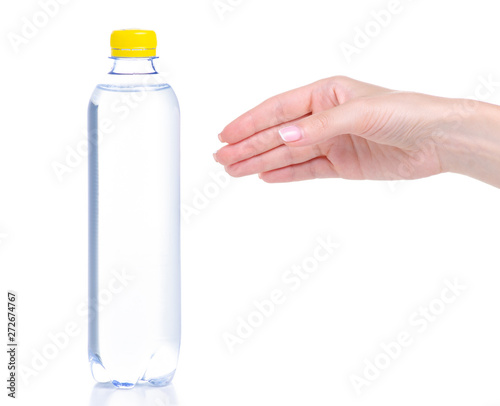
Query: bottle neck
[133,66]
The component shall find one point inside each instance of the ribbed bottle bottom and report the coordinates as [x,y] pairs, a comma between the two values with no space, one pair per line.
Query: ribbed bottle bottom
[151,375]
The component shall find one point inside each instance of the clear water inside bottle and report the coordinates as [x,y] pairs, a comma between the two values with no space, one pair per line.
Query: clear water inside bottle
[134,264]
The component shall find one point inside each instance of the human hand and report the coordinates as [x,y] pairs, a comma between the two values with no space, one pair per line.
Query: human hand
[342,128]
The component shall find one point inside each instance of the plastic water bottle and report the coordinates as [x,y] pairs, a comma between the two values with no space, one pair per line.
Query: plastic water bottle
[134,258]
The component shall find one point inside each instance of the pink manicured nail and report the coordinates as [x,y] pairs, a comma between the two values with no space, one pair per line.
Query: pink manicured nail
[215,156]
[291,133]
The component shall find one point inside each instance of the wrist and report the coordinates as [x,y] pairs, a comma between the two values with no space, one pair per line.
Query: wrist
[470,140]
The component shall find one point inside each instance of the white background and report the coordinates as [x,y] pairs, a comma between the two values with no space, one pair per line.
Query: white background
[398,242]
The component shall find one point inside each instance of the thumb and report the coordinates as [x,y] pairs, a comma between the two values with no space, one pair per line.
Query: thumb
[319,127]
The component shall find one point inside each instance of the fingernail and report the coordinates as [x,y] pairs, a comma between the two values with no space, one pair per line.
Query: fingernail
[215,156]
[290,133]
[220,138]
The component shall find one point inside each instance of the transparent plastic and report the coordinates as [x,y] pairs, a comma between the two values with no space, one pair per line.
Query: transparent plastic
[134,205]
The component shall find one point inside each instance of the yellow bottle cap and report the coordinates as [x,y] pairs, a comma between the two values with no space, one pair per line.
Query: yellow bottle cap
[133,43]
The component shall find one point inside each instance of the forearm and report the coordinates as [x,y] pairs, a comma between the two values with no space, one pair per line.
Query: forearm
[470,141]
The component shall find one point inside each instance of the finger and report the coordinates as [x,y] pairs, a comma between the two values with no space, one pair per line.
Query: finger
[313,169]
[276,110]
[257,144]
[276,158]
[347,118]
[296,103]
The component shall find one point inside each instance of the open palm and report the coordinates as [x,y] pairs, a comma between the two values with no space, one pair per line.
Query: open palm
[351,130]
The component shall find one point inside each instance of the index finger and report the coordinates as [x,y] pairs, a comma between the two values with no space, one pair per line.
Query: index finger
[276,110]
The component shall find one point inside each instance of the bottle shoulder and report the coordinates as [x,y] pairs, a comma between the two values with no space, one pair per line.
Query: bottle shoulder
[132,83]
[152,80]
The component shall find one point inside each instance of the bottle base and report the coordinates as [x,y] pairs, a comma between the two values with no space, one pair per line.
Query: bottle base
[101,376]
